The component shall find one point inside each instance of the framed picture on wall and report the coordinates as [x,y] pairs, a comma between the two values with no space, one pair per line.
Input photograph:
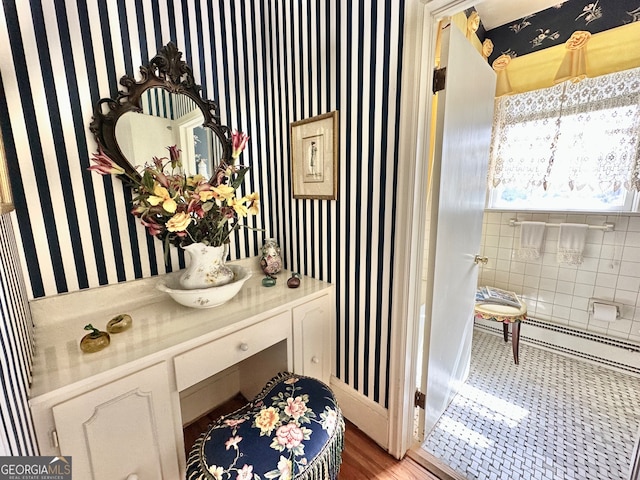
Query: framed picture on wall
[6,201]
[314,157]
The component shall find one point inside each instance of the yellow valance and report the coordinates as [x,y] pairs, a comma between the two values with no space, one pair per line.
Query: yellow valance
[500,65]
[574,64]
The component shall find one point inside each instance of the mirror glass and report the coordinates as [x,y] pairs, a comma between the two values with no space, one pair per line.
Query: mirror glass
[168,119]
[163,108]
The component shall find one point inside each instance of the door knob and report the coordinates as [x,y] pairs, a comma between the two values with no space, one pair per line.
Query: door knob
[478,259]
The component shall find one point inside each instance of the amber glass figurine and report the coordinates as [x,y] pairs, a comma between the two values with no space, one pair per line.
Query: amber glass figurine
[94,341]
[119,323]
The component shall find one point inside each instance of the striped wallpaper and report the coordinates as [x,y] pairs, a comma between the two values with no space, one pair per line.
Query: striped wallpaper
[17,436]
[267,63]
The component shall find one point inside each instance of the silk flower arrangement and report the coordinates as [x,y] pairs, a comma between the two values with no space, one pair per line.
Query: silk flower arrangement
[182,209]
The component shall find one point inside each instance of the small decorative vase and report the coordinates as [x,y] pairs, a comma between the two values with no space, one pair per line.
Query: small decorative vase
[206,267]
[270,261]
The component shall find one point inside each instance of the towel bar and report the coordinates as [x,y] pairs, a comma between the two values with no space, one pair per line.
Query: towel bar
[607,227]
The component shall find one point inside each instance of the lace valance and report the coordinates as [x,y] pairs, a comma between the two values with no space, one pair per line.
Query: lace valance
[575,135]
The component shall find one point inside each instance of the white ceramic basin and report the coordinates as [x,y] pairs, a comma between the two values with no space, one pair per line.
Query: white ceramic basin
[204,297]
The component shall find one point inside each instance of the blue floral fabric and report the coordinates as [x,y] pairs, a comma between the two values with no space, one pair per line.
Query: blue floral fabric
[555,25]
[292,430]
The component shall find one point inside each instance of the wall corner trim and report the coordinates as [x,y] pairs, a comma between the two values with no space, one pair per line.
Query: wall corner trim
[364,413]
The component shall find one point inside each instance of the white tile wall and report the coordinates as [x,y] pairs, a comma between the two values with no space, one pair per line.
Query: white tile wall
[560,293]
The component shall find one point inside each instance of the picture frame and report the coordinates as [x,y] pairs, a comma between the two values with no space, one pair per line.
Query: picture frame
[314,157]
[6,199]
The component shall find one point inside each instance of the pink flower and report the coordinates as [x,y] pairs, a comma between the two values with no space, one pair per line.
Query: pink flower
[295,408]
[158,173]
[233,442]
[219,177]
[153,227]
[246,473]
[234,422]
[289,436]
[228,212]
[195,207]
[239,141]
[104,165]
[174,154]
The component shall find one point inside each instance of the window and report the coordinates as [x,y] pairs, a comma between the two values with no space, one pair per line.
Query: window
[568,147]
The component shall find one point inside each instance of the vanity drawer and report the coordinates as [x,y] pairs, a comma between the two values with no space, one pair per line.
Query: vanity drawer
[195,365]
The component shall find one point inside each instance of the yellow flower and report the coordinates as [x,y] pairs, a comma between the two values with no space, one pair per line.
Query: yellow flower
[179,222]
[578,40]
[194,180]
[501,62]
[267,420]
[239,206]
[253,200]
[161,195]
[205,195]
[223,192]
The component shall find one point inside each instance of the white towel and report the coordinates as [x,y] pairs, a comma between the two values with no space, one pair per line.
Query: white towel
[571,241]
[531,237]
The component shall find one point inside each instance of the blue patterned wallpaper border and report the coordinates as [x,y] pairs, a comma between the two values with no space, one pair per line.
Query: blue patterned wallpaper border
[555,25]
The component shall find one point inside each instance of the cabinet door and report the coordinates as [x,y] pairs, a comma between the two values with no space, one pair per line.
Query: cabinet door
[311,338]
[122,429]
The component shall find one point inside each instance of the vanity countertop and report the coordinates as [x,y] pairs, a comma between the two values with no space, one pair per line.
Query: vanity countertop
[161,327]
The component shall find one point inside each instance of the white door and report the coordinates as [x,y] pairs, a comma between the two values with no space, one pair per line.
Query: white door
[463,133]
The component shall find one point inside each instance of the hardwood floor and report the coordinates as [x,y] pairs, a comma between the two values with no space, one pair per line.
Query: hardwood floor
[362,458]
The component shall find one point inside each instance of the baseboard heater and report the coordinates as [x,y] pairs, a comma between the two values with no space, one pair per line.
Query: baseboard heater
[617,354]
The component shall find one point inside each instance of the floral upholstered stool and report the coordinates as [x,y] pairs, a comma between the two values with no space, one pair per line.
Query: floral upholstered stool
[507,315]
[293,429]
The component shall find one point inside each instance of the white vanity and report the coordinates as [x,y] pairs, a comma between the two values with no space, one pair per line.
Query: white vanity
[119,413]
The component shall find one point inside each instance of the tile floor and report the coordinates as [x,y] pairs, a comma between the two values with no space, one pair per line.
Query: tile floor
[551,417]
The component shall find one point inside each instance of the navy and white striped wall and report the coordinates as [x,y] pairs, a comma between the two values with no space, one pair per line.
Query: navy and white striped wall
[267,63]
[17,436]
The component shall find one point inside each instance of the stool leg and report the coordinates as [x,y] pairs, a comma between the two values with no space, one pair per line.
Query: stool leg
[505,331]
[515,338]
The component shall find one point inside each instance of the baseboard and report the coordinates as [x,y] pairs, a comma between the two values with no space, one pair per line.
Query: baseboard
[615,354]
[364,413]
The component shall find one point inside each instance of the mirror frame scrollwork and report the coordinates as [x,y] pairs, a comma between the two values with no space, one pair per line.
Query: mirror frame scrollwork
[168,71]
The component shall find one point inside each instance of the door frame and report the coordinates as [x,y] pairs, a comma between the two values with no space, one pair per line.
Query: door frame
[420,31]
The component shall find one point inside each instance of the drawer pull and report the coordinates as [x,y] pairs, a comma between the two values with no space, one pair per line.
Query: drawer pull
[244,347]
[315,359]
[133,476]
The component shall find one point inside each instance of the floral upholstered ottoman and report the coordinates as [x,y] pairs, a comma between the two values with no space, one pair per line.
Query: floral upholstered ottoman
[293,429]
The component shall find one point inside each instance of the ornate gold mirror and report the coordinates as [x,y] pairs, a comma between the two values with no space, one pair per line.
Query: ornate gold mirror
[163,108]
